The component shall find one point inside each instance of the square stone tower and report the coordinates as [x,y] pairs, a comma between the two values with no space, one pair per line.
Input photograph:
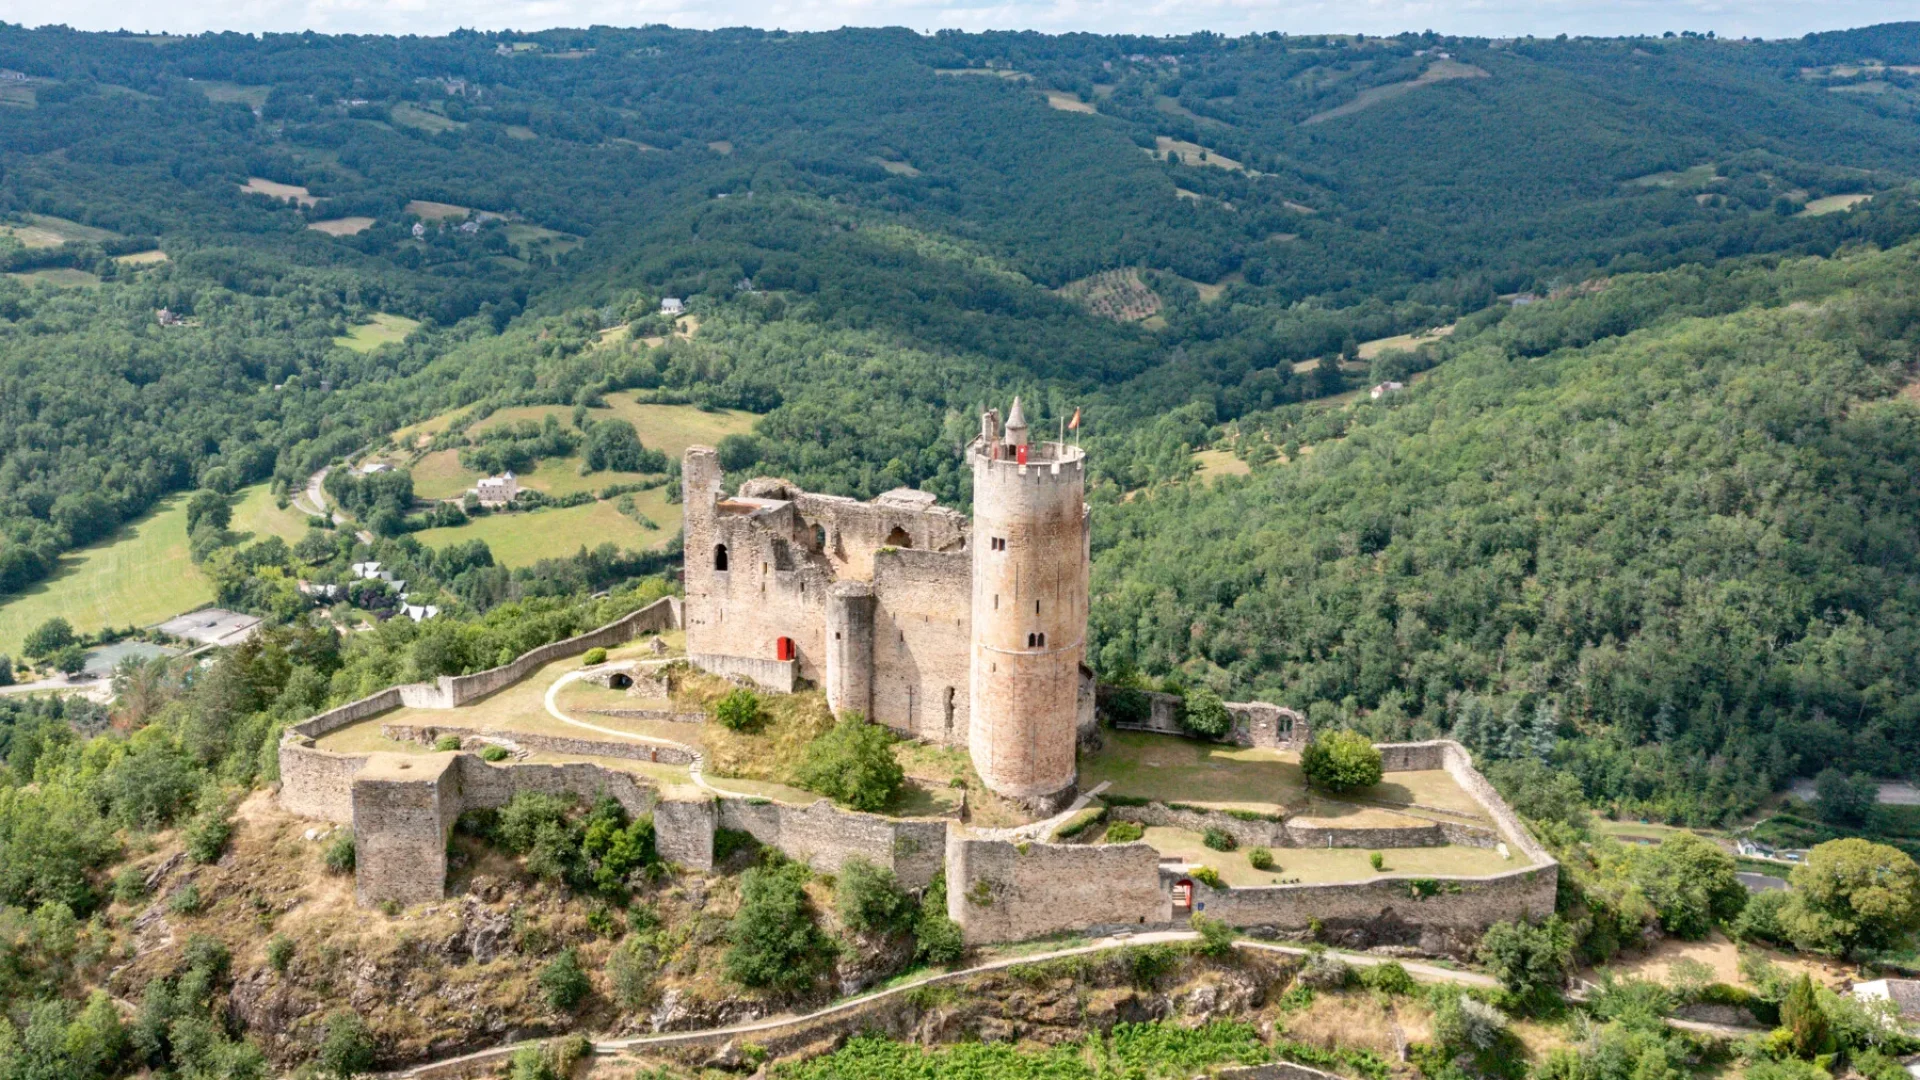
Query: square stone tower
[1030,586]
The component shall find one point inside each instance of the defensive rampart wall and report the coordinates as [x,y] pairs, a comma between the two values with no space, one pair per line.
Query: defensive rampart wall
[824,836]
[1001,891]
[427,735]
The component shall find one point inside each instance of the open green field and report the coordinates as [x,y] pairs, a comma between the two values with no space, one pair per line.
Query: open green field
[522,539]
[256,513]
[667,428]
[1313,865]
[382,329]
[1834,204]
[1215,463]
[138,576]
[423,119]
[254,97]
[440,475]
[44,231]
[536,238]
[64,277]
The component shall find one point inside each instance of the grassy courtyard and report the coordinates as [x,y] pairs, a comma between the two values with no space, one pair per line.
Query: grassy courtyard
[1309,866]
[1168,768]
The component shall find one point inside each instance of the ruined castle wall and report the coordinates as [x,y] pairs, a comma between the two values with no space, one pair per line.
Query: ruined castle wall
[683,830]
[352,712]
[999,891]
[1255,723]
[317,783]
[1438,914]
[427,735]
[849,687]
[403,809]
[824,836]
[483,784]
[1293,834]
[920,644]
[662,614]
[857,531]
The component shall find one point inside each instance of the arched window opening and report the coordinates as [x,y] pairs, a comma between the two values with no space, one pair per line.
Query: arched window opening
[819,538]
[720,557]
[899,538]
[620,681]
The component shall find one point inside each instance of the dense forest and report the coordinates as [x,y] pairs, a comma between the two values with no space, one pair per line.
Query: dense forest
[880,231]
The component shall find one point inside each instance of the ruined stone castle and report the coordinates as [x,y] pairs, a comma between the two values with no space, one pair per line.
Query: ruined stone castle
[965,633]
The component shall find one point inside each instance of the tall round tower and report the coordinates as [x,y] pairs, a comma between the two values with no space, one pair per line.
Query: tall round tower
[1030,562]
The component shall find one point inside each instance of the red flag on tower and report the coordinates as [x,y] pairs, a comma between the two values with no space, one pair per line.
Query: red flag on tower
[1074,424]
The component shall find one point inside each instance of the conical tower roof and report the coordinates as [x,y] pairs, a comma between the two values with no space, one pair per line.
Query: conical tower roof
[1017,425]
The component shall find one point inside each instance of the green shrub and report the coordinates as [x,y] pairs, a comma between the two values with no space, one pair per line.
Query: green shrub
[1080,822]
[186,900]
[937,939]
[1125,832]
[1340,761]
[1216,937]
[1205,714]
[207,834]
[339,854]
[594,656]
[852,764]
[447,742]
[1209,876]
[493,753]
[1218,839]
[346,1048]
[1530,961]
[1377,861]
[130,885]
[280,953]
[739,711]
[564,982]
[1260,859]
[869,899]
[631,969]
[774,941]
[1388,978]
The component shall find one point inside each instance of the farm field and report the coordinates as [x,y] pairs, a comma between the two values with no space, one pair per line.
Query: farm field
[254,512]
[423,119]
[346,226]
[667,428]
[1834,204]
[64,277]
[1215,463]
[439,475]
[140,575]
[257,186]
[44,231]
[228,92]
[1371,349]
[522,539]
[1066,102]
[1438,71]
[1190,153]
[538,239]
[382,329]
[142,258]
[434,211]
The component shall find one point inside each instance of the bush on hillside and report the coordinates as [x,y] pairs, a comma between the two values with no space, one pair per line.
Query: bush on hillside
[564,982]
[1205,714]
[774,942]
[869,899]
[740,710]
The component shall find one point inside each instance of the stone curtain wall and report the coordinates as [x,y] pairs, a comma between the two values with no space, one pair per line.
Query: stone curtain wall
[557,744]
[999,891]
[1275,834]
[824,836]
[403,809]
[317,783]
[1386,910]
[921,638]
[1255,723]
[352,712]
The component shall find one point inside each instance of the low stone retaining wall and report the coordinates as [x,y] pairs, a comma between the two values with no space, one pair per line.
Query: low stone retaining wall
[666,715]
[775,676]
[1246,833]
[1001,891]
[426,735]
[1294,834]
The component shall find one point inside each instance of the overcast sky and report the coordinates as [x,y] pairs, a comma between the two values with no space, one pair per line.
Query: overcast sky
[1496,18]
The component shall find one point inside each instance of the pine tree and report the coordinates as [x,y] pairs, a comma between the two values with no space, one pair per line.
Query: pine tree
[1664,728]
[1801,1014]
[1546,730]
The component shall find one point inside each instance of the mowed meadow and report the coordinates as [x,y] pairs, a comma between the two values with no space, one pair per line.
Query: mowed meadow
[141,575]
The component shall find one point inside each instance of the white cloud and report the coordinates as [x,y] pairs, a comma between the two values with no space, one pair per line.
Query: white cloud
[1729,18]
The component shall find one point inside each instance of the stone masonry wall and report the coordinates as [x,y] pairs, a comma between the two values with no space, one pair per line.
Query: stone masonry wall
[776,676]
[1275,834]
[403,808]
[1387,910]
[557,744]
[1255,723]
[824,836]
[1000,891]
[317,783]
[920,643]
